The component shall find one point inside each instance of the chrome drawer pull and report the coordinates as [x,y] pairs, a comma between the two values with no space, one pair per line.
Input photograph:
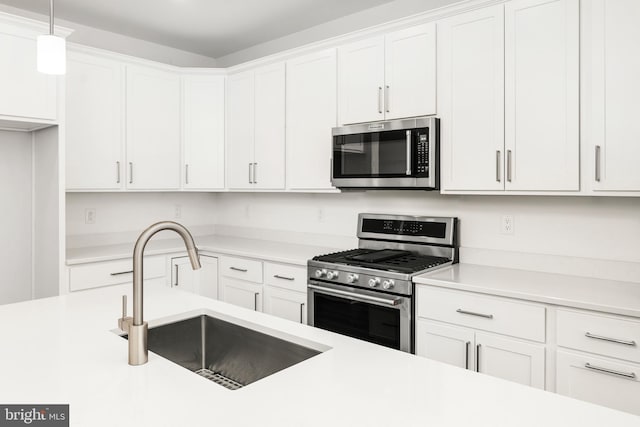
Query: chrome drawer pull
[241,270]
[477,357]
[466,354]
[630,375]
[277,276]
[121,273]
[600,337]
[471,313]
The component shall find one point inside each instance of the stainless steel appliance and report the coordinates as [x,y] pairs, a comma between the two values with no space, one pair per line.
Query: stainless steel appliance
[367,293]
[393,154]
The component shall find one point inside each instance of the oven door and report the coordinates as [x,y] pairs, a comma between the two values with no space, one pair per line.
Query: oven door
[368,315]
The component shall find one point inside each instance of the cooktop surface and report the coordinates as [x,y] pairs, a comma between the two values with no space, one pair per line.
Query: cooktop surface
[384,259]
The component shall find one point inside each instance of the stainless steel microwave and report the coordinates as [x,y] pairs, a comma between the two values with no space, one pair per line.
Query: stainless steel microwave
[396,154]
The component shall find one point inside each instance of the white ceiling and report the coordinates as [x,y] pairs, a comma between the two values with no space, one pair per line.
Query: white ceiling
[209,27]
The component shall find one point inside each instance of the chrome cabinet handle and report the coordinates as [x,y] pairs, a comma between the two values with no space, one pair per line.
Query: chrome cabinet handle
[408,172]
[186,173]
[386,98]
[630,375]
[473,313]
[598,149]
[498,155]
[615,340]
[130,172]
[255,173]
[241,270]
[380,99]
[277,276]
[118,172]
[466,354]
[120,273]
[177,271]
[302,313]
[250,173]
[509,165]
[255,301]
[356,297]
[477,357]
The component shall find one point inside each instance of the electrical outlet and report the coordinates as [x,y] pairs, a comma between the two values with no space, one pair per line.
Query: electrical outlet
[508,226]
[90,216]
[177,213]
[320,215]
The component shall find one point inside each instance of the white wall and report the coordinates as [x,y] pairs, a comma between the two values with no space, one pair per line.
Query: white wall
[125,215]
[588,227]
[15,216]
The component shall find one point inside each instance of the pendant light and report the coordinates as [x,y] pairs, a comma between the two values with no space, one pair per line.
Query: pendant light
[52,52]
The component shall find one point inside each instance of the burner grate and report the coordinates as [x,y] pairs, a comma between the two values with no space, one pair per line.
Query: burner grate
[409,263]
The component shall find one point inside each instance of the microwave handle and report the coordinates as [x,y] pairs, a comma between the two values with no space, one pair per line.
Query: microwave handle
[408,152]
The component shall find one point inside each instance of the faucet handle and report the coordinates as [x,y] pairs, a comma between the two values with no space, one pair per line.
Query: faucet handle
[124,323]
[124,306]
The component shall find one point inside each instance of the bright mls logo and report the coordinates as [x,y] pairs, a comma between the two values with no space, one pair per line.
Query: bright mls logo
[34,415]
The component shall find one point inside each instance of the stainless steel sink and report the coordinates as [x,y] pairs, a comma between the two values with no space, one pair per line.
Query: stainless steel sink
[228,353]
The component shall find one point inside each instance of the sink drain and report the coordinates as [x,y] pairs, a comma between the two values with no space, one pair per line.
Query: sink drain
[219,379]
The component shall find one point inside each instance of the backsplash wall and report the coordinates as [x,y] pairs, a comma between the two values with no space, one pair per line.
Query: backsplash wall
[587,227]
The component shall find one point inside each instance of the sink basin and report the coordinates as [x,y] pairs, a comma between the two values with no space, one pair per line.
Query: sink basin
[226,352]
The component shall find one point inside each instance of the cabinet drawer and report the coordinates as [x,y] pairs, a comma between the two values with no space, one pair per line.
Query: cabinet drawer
[599,380]
[241,268]
[286,276]
[606,335]
[94,275]
[492,314]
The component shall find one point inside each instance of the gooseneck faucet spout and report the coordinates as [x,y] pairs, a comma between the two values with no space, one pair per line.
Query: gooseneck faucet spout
[136,327]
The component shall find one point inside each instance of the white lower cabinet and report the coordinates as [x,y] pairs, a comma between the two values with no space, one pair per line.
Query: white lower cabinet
[241,293]
[286,304]
[599,380]
[495,355]
[115,272]
[203,281]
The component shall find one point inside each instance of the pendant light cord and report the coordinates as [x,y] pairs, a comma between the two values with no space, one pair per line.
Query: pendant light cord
[51,17]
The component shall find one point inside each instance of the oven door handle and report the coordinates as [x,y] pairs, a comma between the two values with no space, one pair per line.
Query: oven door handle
[357,297]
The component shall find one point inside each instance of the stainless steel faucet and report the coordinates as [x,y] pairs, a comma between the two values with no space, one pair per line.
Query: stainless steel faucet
[135,326]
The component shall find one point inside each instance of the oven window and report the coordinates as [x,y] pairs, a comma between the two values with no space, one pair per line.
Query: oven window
[370,155]
[369,322]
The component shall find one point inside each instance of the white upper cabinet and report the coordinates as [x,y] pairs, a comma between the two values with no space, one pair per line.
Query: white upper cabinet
[269,122]
[410,72]
[311,113]
[361,81]
[388,77]
[203,131]
[95,123]
[613,128]
[471,99]
[153,129]
[542,95]
[256,128]
[24,92]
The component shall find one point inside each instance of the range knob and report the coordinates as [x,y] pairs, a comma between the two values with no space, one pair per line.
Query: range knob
[352,277]
[332,275]
[320,273]
[374,282]
[388,284]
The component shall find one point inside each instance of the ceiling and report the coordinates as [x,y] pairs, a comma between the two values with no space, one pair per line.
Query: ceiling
[208,27]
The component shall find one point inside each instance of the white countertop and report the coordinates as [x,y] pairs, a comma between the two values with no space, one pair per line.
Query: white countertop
[571,291]
[63,350]
[290,253]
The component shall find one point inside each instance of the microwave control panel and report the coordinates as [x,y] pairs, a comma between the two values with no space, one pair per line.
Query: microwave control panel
[422,154]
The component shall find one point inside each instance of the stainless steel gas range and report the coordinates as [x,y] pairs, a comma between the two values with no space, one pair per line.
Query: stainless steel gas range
[367,293]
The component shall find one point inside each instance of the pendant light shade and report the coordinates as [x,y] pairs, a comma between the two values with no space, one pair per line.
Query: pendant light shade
[52,50]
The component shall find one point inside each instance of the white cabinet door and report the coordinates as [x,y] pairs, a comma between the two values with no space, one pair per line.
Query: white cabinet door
[287,304]
[512,360]
[269,116]
[203,281]
[410,72]
[203,131]
[240,130]
[311,113]
[95,123]
[445,343]
[542,95]
[25,92]
[361,81]
[241,293]
[471,99]
[153,129]
[602,381]
[614,128]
